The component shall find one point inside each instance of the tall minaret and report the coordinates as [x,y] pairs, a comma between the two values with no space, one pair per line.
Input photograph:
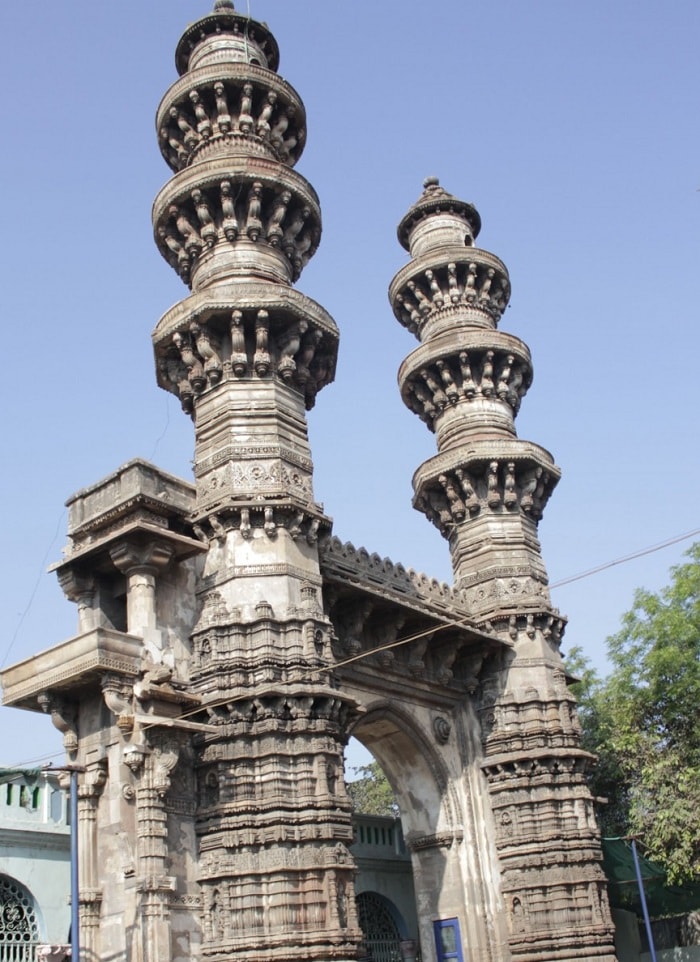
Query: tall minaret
[246,353]
[485,490]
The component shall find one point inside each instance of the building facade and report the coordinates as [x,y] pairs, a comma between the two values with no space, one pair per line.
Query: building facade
[229,645]
[34,867]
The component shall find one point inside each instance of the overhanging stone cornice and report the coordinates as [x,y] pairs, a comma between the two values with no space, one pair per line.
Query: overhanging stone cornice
[71,667]
[98,552]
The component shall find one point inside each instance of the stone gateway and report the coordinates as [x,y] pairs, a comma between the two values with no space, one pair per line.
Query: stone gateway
[229,646]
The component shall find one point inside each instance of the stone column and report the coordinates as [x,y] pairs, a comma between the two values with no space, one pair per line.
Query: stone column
[82,590]
[141,564]
[90,789]
[155,888]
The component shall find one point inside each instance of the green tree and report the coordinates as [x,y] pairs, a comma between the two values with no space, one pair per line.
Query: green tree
[608,782]
[643,722]
[371,793]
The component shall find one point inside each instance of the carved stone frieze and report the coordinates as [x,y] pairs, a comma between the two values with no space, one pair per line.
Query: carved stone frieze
[344,556]
[418,843]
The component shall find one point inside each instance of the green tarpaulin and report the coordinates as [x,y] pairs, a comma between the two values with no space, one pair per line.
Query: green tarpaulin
[10,774]
[662,899]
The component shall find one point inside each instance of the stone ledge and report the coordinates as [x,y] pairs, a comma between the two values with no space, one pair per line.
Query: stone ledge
[71,666]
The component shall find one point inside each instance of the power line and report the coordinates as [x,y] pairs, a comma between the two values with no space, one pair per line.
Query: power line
[40,577]
[628,557]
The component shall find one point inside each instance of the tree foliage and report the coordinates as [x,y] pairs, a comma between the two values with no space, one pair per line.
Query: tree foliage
[643,722]
[371,793]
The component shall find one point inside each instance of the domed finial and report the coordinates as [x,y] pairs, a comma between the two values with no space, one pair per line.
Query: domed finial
[223,6]
[431,182]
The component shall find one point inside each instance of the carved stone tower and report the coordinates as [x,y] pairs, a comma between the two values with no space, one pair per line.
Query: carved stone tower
[246,354]
[228,646]
[486,491]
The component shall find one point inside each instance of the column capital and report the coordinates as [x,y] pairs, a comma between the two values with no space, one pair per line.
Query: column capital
[152,556]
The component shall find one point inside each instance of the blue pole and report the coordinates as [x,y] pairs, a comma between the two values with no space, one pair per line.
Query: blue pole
[74,883]
[643,898]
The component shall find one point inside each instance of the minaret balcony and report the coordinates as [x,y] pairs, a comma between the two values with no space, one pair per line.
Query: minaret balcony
[464,282]
[248,217]
[466,380]
[243,331]
[500,477]
[231,108]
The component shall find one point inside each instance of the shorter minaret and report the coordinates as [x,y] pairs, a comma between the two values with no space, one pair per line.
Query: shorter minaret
[486,489]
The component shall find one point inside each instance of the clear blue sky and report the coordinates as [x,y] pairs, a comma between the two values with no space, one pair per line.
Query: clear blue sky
[573,127]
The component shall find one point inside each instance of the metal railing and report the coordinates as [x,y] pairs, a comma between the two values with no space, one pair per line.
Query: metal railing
[16,951]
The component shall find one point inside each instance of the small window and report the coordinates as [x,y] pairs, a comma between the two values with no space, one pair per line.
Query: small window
[447,940]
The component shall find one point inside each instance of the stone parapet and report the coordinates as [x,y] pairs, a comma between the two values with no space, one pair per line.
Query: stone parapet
[136,486]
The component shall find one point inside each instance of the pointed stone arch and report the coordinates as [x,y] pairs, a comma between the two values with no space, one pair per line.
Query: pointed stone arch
[412,765]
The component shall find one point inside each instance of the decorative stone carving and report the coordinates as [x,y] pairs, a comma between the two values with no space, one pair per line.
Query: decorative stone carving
[64,718]
[442,729]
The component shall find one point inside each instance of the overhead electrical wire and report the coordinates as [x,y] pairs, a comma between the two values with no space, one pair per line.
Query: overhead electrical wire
[627,557]
[399,642]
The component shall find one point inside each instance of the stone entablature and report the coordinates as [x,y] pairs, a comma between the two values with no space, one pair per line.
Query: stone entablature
[75,665]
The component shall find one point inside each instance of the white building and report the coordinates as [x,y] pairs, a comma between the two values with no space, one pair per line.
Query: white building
[34,864]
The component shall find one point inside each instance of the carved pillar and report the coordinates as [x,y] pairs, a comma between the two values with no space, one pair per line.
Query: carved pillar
[90,786]
[152,767]
[140,563]
[81,589]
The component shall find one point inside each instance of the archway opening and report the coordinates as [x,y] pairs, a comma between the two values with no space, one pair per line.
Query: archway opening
[382,925]
[406,779]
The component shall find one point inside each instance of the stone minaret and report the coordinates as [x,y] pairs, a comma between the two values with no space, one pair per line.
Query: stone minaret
[485,491]
[247,354]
